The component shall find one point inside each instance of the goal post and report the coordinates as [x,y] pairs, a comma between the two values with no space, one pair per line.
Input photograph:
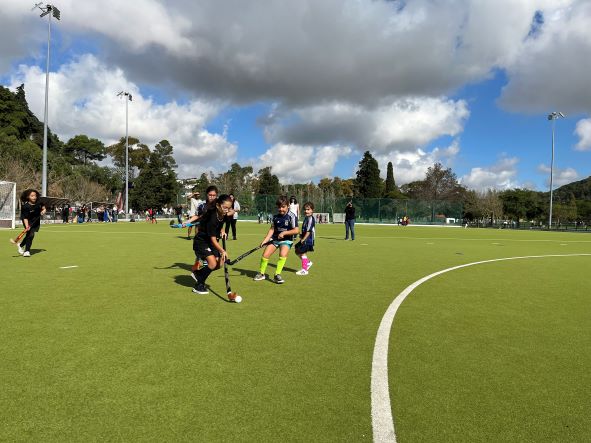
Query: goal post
[338,217]
[7,205]
[322,217]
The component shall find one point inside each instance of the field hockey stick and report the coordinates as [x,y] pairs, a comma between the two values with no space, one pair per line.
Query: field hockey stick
[247,253]
[19,237]
[180,225]
[232,296]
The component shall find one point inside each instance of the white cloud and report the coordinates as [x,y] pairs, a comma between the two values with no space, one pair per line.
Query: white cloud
[83,101]
[401,125]
[412,165]
[551,69]
[302,52]
[293,163]
[501,175]
[583,131]
[562,176]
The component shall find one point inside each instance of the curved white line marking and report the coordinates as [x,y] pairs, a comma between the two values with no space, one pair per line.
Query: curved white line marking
[382,421]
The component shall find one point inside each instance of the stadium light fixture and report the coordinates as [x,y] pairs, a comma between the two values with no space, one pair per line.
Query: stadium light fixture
[50,11]
[128,98]
[553,116]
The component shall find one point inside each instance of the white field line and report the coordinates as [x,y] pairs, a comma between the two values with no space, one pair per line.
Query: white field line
[381,409]
[68,267]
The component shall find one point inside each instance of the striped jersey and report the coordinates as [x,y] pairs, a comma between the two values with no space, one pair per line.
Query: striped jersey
[309,225]
[282,223]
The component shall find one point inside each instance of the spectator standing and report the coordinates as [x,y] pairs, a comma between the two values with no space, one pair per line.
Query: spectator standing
[178,210]
[350,221]
[232,217]
[196,203]
[65,213]
[294,206]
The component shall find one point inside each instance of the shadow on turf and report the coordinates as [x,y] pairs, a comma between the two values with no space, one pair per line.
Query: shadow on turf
[33,252]
[332,238]
[185,266]
[251,274]
[187,281]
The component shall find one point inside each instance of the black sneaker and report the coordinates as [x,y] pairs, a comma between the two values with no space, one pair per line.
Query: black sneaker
[200,289]
[278,279]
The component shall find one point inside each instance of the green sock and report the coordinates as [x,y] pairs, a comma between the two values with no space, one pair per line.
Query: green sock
[264,263]
[280,264]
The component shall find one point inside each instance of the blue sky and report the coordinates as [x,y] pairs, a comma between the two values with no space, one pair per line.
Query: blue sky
[274,87]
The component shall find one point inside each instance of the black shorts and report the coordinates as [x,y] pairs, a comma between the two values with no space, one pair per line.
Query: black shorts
[302,248]
[203,248]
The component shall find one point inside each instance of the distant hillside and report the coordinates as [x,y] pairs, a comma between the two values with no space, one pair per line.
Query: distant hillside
[581,190]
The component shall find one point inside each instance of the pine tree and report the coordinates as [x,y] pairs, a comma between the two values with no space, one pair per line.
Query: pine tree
[268,182]
[390,183]
[368,183]
[156,186]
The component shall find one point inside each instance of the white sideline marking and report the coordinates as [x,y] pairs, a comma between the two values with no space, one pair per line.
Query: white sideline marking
[382,421]
[68,267]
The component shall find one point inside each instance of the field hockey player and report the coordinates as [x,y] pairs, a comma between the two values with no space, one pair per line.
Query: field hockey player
[206,243]
[306,243]
[283,228]
[31,212]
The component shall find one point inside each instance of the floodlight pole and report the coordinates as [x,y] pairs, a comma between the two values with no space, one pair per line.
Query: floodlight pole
[45,115]
[127,96]
[552,117]
[126,157]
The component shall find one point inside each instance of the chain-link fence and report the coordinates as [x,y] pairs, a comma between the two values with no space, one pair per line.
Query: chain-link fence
[368,210]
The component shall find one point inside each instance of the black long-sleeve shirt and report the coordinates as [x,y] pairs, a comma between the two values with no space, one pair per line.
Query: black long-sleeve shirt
[350,213]
[32,213]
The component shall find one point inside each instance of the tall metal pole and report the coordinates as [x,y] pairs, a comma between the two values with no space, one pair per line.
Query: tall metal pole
[44,173]
[551,175]
[126,157]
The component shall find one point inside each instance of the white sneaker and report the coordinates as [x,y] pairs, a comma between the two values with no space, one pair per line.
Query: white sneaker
[21,251]
[26,254]
[302,272]
[259,277]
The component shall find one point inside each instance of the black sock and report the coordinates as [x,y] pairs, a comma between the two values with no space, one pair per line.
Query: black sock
[203,273]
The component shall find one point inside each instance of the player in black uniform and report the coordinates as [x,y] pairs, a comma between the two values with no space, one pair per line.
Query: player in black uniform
[206,243]
[31,212]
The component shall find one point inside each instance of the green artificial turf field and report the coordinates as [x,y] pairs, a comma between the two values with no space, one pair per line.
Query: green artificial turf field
[120,349]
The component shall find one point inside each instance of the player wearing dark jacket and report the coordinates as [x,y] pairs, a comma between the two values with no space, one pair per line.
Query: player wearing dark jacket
[31,212]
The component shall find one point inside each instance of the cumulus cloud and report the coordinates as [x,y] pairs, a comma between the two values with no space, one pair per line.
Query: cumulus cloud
[304,52]
[562,176]
[501,175]
[583,131]
[292,163]
[551,69]
[403,125]
[412,165]
[83,101]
